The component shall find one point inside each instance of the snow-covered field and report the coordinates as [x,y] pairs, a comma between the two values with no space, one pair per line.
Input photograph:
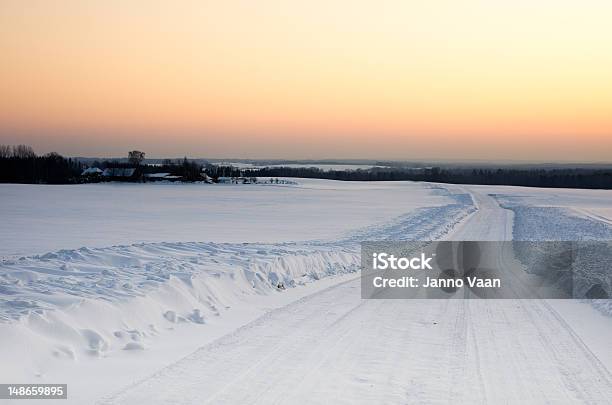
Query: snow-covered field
[250,293]
[40,219]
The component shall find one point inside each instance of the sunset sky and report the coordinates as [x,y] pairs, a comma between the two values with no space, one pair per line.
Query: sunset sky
[437,79]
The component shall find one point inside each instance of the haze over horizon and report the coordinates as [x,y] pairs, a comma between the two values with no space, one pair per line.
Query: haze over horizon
[347,161]
[390,80]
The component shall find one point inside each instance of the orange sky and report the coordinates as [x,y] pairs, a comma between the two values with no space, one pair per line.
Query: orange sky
[513,80]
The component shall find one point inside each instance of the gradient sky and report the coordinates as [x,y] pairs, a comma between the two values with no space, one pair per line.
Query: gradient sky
[512,80]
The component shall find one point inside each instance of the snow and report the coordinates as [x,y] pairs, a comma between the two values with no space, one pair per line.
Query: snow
[324,167]
[91,170]
[180,287]
[92,304]
[595,203]
[118,172]
[156,175]
[100,215]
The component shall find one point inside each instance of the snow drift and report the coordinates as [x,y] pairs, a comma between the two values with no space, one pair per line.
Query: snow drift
[92,301]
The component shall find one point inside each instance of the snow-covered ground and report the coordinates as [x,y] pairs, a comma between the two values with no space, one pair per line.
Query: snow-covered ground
[255,288]
[40,219]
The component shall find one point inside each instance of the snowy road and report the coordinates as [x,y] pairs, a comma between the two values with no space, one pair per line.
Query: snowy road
[334,347]
[489,222]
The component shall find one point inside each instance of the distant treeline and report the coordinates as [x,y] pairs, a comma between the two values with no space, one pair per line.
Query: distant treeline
[562,178]
[19,164]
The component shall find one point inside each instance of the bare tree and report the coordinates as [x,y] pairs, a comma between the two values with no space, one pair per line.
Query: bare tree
[136,157]
[23,152]
[5,151]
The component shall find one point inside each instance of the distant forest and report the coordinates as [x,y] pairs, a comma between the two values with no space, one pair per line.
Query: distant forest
[19,164]
[562,178]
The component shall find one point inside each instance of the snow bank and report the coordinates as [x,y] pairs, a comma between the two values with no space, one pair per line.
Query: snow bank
[553,223]
[549,223]
[92,301]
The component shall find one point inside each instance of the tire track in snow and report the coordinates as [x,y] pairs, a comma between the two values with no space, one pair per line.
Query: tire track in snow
[574,373]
